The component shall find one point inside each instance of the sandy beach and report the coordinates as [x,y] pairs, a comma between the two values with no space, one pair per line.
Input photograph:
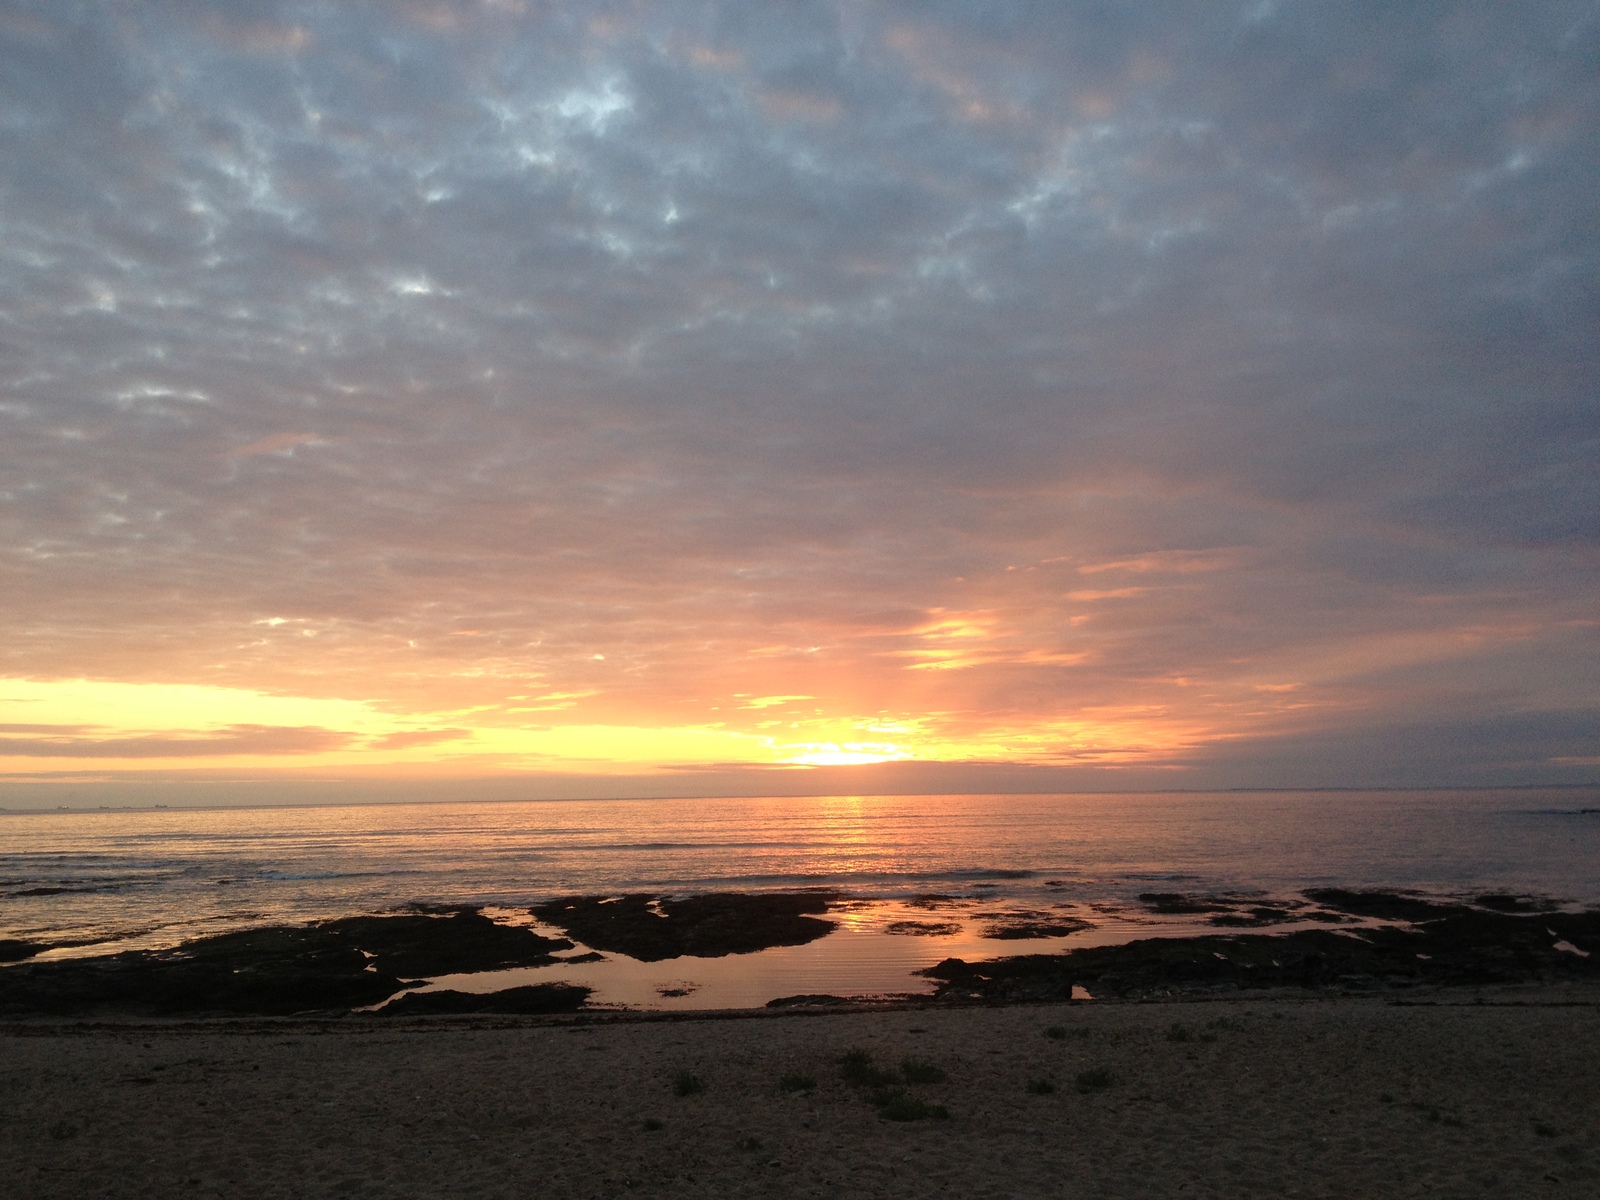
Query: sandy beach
[1465,1093]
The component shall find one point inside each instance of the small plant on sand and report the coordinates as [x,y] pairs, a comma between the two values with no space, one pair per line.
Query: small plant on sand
[916,1070]
[1040,1087]
[651,1125]
[1093,1080]
[1543,1129]
[857,1067]
[1385,1097]
[1179,1033]
[1060,1033]
[687,1083]
[1437,1116]
[893,1104]
[796,1081]
[750,1143]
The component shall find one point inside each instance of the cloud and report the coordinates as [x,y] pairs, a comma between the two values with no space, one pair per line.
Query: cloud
[410,738]
[1201,344]
[275,443]
[69,741]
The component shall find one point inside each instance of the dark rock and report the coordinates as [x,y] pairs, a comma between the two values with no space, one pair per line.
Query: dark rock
[1501,902]
[15,950]
[1462,947]
[1027,977]
[1176,903]
[923,928]
[818,1000]
[437,941]
[1020,926]
[652,928]
[1386,906]
[533,999]
[1252,918]
[276,971]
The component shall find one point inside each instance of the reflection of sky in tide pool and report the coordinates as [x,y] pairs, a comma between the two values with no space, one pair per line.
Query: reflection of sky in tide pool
[860,958]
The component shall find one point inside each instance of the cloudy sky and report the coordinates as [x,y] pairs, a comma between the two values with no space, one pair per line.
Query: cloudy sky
[1006,394]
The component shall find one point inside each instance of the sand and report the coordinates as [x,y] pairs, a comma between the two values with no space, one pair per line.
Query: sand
[1273,1097]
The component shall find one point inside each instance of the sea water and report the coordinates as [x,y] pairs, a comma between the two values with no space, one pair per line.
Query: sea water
[92,882]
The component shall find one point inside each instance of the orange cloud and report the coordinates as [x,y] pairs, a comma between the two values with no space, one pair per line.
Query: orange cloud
[68,741]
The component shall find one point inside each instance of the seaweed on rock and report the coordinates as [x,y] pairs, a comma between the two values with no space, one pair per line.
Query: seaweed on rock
[277,971]
[1447,945]
[653,928]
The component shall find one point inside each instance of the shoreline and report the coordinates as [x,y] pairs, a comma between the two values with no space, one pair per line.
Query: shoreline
[1567,995]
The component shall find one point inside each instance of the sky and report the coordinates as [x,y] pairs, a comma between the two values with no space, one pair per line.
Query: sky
[591,398]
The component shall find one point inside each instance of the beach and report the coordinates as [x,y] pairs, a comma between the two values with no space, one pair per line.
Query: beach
[961,1030]
[1459,1092]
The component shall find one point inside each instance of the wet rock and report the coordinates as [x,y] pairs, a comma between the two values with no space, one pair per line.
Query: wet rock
[923,928]
[1175,903]
[15,950]
[1254,917]
[1020,926]
[1456,946]
[1386,906]
[1026,977]
[433,941]
[653,928]
[815,1000]
[533,999]
[932,900]
[1503,902]
[283,970]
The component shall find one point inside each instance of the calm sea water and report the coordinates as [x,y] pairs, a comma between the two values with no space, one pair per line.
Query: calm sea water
[106,880]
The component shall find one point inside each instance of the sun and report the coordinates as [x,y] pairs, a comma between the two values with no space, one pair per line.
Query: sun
[848,754]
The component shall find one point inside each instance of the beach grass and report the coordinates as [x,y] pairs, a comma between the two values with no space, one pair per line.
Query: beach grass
[1060,1033]
[896,1104]
[856,1067]
[687,1083]
[915,1070]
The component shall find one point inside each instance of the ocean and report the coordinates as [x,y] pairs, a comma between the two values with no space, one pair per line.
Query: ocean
[917,878]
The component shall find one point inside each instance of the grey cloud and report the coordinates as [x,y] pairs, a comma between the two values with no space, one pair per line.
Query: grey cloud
[603,323]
